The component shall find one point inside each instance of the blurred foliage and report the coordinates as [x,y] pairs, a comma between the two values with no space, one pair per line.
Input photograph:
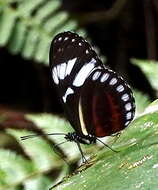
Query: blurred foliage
[27,27]
[150,69]
[38,166]
[142,101]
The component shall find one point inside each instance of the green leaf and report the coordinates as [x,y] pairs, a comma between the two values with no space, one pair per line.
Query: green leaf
[38,150]
[33,173]
[56,22]
[135,166]
[46,10]
[8,19]
[40,183]
[18,38]
[26,7]
[13,168]
[16,170]
[53,124]
[50,123]
[141,101]
[150,69]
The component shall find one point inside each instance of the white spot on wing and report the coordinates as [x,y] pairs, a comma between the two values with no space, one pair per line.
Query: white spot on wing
[61,74]
[58,70]
[87,51]
[73,40]
[104,77]
[66,38]
[83,73]
[113,81]
[96,75]
[127,123]
[55,75]
[129,115]
[70,65]
[128,106]
[62,70]
[60,39]
[67,93]
[54,71]
[125,97]
[120,88]
[80,44]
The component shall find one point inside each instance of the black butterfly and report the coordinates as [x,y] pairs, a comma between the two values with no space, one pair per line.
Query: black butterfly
[96,101]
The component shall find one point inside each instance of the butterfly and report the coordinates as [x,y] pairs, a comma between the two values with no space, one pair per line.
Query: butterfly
[96,100]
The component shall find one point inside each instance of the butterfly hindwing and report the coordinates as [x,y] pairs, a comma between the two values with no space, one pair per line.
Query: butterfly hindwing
[106,104]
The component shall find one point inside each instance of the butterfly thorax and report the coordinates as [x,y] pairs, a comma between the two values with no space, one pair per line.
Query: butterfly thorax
[84,139]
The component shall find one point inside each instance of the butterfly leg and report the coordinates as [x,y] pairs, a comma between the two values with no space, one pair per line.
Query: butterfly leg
[84,160]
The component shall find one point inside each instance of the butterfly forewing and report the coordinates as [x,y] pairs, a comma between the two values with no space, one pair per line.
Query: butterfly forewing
[71,61]
[68,53]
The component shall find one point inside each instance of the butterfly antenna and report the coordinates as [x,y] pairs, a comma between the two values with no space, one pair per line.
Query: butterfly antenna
[57,152]
[107,145]
[37,135]
[54,147]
